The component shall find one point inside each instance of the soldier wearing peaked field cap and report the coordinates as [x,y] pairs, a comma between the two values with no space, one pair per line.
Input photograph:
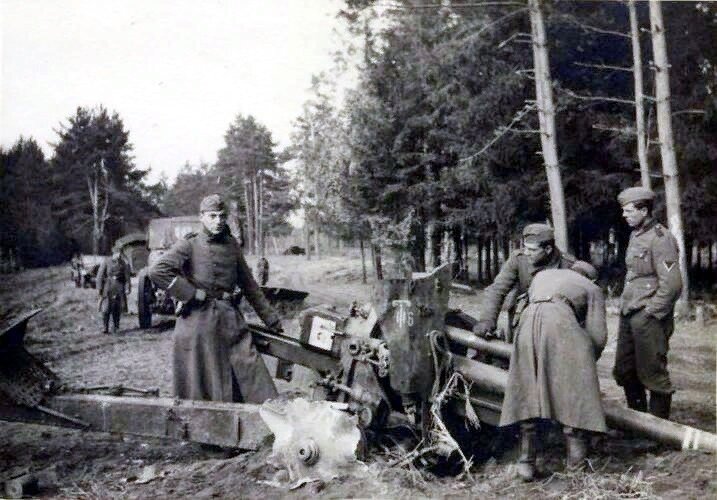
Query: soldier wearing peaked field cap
[212,203]
[538,253]
[652,286]
[214,353]
[635,194]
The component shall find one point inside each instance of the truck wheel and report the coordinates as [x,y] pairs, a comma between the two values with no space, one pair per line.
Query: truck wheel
[145,292]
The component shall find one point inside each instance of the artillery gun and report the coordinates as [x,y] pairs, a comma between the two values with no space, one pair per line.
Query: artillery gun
[382,363]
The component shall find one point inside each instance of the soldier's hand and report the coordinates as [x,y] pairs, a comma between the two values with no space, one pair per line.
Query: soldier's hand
[200,295]
[484,327]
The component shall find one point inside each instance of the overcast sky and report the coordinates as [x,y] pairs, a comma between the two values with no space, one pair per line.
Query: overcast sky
[177,72]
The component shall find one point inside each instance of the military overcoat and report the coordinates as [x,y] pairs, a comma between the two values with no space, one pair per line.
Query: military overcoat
[214,354]
[516,274]
[553,373]
[112,278]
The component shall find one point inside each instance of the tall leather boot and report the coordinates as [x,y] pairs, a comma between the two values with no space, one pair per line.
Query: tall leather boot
[577,448]
[660,404]
[526,462]
[635,396]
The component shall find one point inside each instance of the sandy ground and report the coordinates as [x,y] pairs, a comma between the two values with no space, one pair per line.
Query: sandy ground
[72,464]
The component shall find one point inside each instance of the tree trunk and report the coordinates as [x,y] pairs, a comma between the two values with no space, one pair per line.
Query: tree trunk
[436,236]
[457,252]
[639,100]
[667,149]
[496,262]
[317,236]
[546,116]
[376,252]
[488,267]
[233,222]
[363,261]
[417,246]
[479,246]
[307,235]
[249,203]
[260,217]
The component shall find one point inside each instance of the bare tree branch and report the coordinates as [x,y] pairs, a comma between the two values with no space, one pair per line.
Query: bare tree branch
[689,112]
[501,131]
[595,29]
[452,6]
[515,36]
[605,66]
[598,98]
[627,130]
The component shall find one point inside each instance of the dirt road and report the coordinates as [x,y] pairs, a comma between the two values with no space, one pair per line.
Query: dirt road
[73,464]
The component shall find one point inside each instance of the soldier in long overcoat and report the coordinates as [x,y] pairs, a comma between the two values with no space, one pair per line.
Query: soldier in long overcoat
[113,285]
[553,373]
[214,354]
[538,253]
[652,286]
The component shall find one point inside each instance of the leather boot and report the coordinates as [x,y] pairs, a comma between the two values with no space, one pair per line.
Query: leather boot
[577,448]
[660,404]
[635,396]
[526,462]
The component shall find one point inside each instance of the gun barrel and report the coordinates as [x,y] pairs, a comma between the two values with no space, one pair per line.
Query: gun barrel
[468,339]
[680,436]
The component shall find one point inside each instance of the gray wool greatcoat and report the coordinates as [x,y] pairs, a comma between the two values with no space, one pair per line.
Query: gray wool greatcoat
[553,373]
[214,354]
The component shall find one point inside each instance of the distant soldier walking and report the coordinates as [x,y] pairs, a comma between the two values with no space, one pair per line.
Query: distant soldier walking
[538,253]
[113,278]
[652,286]
[214,354]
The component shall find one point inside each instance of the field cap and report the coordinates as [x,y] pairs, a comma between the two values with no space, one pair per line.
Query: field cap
[633,194]
[212,203]
[538,233]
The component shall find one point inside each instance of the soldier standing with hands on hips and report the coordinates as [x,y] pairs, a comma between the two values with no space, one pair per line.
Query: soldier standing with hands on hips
[652,286]
[214,353]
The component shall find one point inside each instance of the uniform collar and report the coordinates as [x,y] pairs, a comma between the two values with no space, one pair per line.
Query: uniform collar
[552,263]
[649,224]
[207,236]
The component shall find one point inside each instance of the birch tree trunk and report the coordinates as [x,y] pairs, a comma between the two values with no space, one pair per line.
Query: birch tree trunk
[546,116]
[317,235]
[667,148]
[639,99]
[98,181]
[307,231]
[260,216]
[363,261]
[248,200]
[257,236]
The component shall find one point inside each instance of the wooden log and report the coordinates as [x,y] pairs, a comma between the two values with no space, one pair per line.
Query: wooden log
[235,425]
